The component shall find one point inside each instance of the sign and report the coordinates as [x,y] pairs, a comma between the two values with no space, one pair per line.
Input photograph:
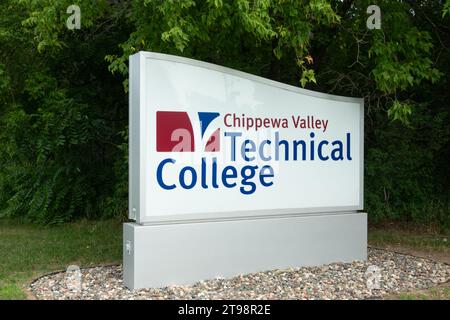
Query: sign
[249,158]
[208,142]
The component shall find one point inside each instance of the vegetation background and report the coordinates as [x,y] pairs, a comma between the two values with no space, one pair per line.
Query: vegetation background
[64,104]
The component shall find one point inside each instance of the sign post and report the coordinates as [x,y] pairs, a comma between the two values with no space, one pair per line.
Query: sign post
[231,173]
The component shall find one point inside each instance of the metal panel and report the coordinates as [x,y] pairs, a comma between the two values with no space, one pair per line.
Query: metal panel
[134,155]
[182,254]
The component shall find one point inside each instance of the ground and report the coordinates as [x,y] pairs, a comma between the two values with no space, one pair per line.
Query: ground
[418,242]
[29,251]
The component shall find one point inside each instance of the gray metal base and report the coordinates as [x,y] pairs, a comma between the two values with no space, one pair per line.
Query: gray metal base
[182,254]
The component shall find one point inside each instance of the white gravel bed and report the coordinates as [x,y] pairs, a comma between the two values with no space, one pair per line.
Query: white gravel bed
[395,272]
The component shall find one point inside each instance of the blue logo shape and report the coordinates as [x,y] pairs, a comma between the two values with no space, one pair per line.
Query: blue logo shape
[205,119]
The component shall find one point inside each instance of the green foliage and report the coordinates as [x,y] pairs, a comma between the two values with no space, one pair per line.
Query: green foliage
[402,163]
[60,113]
[219,31]
[43,163]
[63,113]
[4,81]
[403,61]
[400,111]
[446,9]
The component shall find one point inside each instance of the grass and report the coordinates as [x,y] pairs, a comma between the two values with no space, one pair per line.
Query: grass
[413,238]
[439,293]
[28,251]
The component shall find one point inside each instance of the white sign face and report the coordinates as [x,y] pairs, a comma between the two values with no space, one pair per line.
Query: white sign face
[208,142]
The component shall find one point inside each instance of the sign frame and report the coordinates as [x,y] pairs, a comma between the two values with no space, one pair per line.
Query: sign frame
[137,185]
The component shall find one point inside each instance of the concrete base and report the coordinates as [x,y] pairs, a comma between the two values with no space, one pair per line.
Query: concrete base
[182,254]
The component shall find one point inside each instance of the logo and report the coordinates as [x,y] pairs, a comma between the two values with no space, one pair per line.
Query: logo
[175,133]
[247,161]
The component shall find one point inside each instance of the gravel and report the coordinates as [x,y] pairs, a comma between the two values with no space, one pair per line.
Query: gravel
[395,273]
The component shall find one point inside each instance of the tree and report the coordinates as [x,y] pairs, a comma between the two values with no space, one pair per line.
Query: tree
[64,116]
